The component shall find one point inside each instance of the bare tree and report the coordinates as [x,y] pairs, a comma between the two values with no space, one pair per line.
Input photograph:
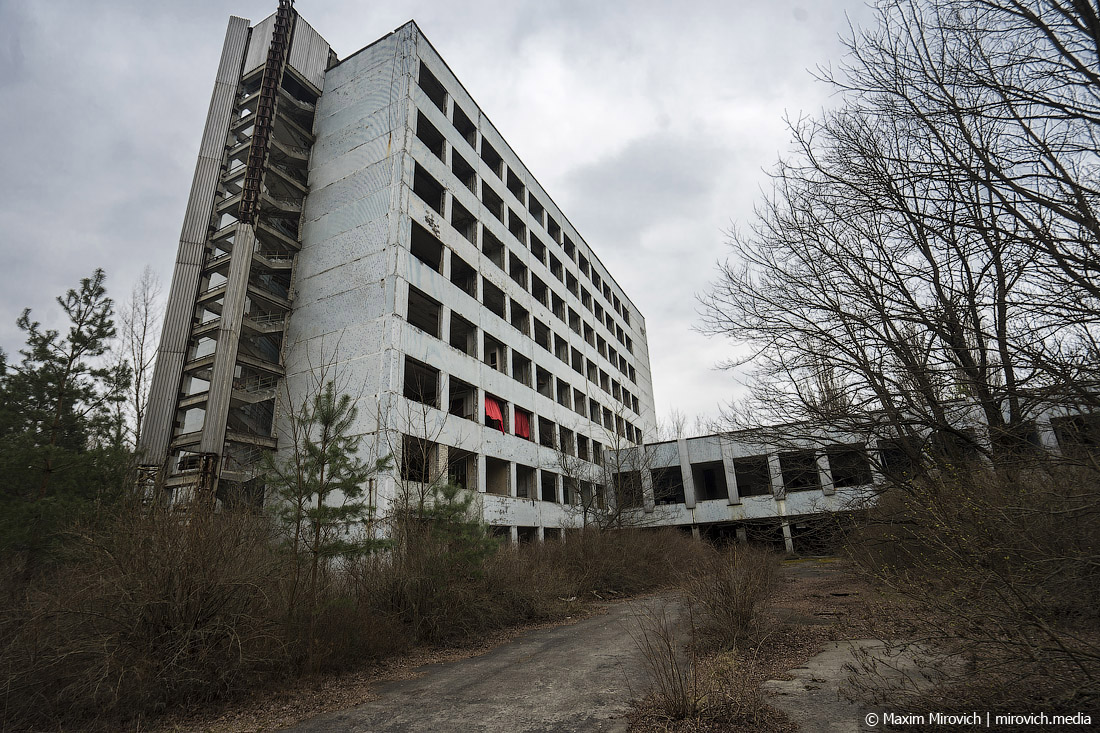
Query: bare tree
[927,264]
[139,331]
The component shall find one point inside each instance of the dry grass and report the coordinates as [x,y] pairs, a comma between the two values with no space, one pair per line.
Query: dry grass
[153,614]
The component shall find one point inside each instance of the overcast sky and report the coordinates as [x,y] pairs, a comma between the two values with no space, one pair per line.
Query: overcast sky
[651,124]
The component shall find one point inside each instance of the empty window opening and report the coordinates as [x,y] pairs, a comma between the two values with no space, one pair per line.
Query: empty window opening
[421,382]
[492,158]
[427,133]
[556,269]
[521,369]
[633,376]
[557,305]
[417,459]
[597,453]
[462,468]
[570,248]
[563,393]
[517,270]
[575,321]
[800,472]
[553,229]
[516,226]
[582,448]
[754,476]
[627,488]
[572,284]
[526,488]
[515,185]
[494,203]
[544,382]
[523,424]
[520,318]
[547,433]
[464,172]
[542,334]
[536,208]
[540,291]
[586,299]
[596,281]
[465,126]
[493,248]
[577,361]
[493,298]
[549,486]
[496,413]
[463,335]
[616,391]
[538,249]
[423,312]
[601,346]
[463,221]
[594,411]
[668,485]
[897,456]
[579,402]
[848,465]
[428,189]
[569,492]
[425,247]
[607,292]
[608,419]
[582,262]
[710,481]
[561,348]
[597,310]
[463,275]
[498,477]
[496,354]
[605,381]
[433,88]
[591,371]
[462,399]
[626,315]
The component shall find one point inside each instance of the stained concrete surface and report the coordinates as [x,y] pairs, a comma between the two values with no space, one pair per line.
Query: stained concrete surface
[578,677]
[813,697]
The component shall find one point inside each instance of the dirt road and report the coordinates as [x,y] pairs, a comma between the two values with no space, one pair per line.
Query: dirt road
[578,677]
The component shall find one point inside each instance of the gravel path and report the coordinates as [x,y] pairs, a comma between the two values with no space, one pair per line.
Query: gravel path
[579,677]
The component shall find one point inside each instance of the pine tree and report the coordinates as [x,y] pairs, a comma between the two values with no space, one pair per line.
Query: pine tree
[318,492]
[60,452]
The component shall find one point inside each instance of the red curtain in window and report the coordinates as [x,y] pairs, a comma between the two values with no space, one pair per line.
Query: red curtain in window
[523,425]
[492,411]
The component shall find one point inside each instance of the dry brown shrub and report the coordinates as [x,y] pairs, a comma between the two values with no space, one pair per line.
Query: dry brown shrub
[1003,570]
[729,590]
[150,611]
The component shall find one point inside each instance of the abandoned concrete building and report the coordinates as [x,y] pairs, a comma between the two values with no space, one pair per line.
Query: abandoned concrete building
[361,220]
[362,217]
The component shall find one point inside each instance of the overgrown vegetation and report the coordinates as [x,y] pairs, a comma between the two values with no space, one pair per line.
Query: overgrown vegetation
[698,648]
[1001,572]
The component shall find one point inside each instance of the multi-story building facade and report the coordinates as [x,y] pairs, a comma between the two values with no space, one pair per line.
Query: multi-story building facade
[362,220]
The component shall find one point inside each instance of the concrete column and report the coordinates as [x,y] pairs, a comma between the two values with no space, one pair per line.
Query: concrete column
[778,490]
[695,531]
[480,461]
[648,501]
[445,264]
[1048,439]
[541,532]
[512,489]
[686,474]
[730,471]
[445,324]
[513,534]
[742,535]
[781,510]
[826,474]
[229,334]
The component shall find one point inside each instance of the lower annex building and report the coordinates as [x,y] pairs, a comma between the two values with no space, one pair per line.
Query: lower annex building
[362,219]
